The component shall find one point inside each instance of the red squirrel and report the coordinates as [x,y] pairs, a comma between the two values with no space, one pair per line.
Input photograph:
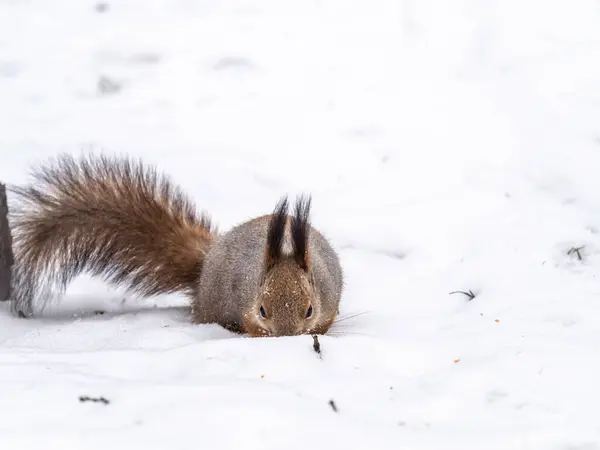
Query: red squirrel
[119,219]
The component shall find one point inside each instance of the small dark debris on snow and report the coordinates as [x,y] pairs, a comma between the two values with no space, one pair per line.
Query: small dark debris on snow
[101,7]
[316,345]
[333,405]
[107,86]
[85,398]
[468,293]
[576,251]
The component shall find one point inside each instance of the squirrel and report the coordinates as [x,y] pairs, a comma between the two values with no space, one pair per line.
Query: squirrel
[119,219]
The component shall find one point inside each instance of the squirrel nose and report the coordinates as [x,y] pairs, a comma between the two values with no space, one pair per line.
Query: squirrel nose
[291,330]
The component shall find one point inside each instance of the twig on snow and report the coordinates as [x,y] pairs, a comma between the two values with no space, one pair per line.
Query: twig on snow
[317,345]
[333,405]
[85,398]
[576,250]
[469,294]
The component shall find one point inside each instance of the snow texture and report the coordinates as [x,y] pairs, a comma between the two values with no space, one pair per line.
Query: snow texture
[448,146]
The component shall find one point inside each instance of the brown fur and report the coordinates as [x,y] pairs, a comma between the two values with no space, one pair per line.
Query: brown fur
[285,296]
[113,217]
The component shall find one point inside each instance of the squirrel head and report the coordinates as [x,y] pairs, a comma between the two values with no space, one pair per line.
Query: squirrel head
[288,302]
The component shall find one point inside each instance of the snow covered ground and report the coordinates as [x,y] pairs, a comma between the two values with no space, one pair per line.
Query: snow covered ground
[449,146]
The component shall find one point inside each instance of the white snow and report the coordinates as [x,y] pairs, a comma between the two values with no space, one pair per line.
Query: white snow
[449,146]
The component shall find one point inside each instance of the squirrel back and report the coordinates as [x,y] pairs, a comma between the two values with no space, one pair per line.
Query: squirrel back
[117,218]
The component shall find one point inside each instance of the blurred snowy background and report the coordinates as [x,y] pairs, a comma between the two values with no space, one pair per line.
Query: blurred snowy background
[448,146]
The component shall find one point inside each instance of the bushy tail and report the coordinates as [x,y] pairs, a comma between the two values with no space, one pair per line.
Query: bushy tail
[111,217]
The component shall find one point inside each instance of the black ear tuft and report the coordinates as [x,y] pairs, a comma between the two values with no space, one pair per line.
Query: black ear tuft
[300,231]
[275,233]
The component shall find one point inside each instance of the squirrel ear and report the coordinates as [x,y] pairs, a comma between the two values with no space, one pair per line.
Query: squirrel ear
[275,234]
[300,230]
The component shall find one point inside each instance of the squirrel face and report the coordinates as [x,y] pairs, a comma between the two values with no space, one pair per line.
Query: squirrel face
[287,304]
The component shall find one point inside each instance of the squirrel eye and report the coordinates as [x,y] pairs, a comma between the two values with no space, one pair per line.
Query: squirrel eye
[309,311]
[263,313]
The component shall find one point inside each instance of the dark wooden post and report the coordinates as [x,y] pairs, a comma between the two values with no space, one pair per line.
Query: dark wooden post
[6,251]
